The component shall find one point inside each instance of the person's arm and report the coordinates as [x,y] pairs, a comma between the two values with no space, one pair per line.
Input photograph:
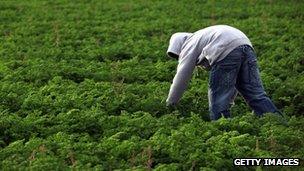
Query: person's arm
[186,65]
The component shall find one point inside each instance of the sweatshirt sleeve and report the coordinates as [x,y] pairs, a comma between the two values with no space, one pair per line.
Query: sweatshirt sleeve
[186,65]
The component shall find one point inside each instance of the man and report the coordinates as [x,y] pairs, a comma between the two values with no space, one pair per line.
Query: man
[229,55]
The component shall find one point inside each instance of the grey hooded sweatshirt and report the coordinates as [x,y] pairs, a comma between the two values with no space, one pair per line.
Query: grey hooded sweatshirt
[210,44]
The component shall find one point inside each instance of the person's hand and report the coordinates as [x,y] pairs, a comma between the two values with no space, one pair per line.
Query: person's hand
[171,107]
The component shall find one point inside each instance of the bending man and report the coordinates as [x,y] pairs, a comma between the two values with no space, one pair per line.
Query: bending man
[229,55]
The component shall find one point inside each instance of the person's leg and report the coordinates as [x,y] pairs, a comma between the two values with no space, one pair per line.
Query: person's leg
[226,113]
[222,80]
[249,84]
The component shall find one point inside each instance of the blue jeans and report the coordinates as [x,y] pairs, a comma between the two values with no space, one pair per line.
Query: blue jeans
[237,72]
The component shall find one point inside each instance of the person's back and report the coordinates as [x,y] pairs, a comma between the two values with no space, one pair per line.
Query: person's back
[229,54]
[217,41]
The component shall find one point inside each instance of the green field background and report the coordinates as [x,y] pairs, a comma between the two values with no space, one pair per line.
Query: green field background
[84,83]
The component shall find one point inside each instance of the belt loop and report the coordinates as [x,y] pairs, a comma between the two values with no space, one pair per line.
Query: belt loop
[244,48]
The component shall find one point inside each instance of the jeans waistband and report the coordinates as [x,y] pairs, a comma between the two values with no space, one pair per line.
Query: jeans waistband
[244,48]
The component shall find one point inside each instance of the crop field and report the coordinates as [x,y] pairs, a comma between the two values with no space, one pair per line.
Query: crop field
[84,83]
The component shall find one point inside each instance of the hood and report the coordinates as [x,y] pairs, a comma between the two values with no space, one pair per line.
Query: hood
[176,42]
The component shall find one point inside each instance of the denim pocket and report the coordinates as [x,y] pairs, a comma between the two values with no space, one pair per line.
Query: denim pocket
[254,77]
[228,73]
